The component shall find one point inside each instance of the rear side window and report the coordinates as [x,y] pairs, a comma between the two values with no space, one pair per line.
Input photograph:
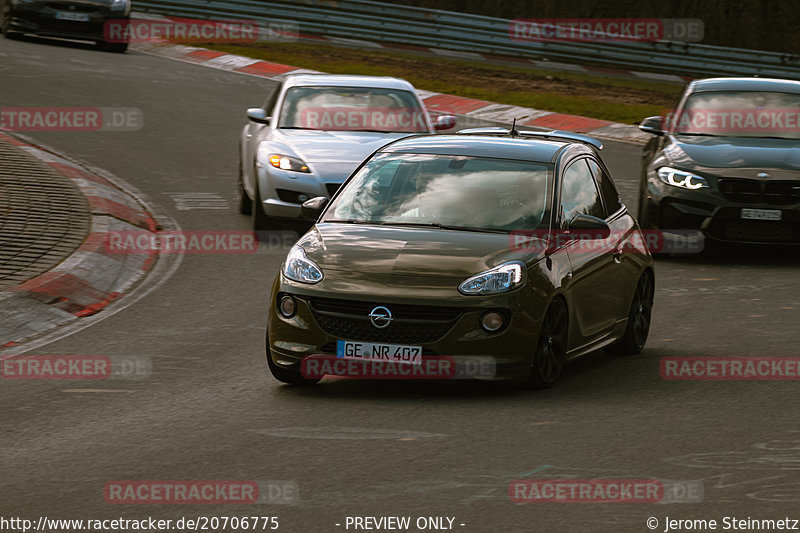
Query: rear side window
[579,193]
[607,188]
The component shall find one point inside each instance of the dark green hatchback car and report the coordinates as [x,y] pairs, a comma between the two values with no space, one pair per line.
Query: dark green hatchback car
[510,248]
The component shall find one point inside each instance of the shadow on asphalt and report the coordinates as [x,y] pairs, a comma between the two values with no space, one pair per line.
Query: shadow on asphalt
[596,375]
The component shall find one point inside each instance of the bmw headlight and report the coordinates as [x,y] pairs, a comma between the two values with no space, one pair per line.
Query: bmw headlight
[119,5]
[298,267]
[681,178]
[503,278]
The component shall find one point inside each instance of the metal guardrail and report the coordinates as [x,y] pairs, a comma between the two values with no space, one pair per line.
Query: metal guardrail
[376,21]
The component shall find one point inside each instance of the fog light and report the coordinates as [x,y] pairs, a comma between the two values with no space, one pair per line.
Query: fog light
[303,198]
[287,306]
[492,321]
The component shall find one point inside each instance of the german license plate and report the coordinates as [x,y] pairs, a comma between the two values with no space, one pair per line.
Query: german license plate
[379,352]
[77,17]
[761,214]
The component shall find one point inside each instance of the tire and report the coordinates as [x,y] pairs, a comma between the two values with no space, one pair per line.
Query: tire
[551,348]
[639,317]
[245,202]
[291,376]
[5,24]
[117,48]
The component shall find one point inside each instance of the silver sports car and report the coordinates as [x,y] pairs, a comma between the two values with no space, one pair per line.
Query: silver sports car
[313,131]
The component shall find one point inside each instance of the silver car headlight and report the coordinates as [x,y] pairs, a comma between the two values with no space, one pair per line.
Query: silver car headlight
[298,267]
[681,178]
[503,278]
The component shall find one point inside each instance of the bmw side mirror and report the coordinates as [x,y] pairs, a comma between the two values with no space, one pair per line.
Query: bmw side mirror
[652,125]
[587,227]
[312,209]
[444,122]
[258,115]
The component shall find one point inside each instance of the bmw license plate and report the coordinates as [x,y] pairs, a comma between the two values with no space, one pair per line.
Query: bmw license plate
[379,352]
[77,17]
[761,214]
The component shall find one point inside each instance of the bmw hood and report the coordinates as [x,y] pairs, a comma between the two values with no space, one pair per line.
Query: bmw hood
[710,153]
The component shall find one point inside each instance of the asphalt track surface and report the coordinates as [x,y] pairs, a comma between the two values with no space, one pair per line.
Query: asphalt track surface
[210,411]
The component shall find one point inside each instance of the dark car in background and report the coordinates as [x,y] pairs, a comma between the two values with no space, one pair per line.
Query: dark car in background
[726,162]
[71,19]
[479,244]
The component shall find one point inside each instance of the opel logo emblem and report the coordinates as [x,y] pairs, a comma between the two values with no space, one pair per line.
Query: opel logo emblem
[380,317]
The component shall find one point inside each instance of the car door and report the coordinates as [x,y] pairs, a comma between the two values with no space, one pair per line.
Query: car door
[252,135]
[626,242]
[592,289]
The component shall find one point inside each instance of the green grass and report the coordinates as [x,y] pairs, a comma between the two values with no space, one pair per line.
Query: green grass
[429,78]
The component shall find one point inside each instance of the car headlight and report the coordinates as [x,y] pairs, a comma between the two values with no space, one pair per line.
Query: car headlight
[299,267]
[119,5]
[503,278]
[285,162]
[681,178]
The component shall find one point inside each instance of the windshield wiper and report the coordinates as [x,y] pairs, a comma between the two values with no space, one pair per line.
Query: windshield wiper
[297,128]
[444,226]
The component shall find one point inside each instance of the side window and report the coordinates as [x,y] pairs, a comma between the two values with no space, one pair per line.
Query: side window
[579,194]
[607,188]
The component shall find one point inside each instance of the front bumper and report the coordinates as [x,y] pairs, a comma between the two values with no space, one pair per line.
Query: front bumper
[282,192]
[317,326]
[718,213]
[40,19]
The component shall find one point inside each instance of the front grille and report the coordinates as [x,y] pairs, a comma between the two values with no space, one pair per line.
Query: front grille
[332,188]
[782,192]
[758,231]
[744,191]
[753,191]
[75,8]
[729,226]
[349,320]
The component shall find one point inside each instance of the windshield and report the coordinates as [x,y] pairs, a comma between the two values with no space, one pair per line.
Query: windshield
[740,114]
[352,109]
[443,190]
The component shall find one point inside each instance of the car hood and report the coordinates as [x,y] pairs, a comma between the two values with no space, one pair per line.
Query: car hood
[314,146]
[709,153]
[366,252]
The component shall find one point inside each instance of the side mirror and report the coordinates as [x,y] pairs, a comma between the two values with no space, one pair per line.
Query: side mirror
[587,227]
[652,125]
[444,122]
[258,115]
[312,209]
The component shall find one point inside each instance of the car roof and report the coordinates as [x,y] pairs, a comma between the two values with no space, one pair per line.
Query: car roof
[745,84]
[527,149]
[340,80]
